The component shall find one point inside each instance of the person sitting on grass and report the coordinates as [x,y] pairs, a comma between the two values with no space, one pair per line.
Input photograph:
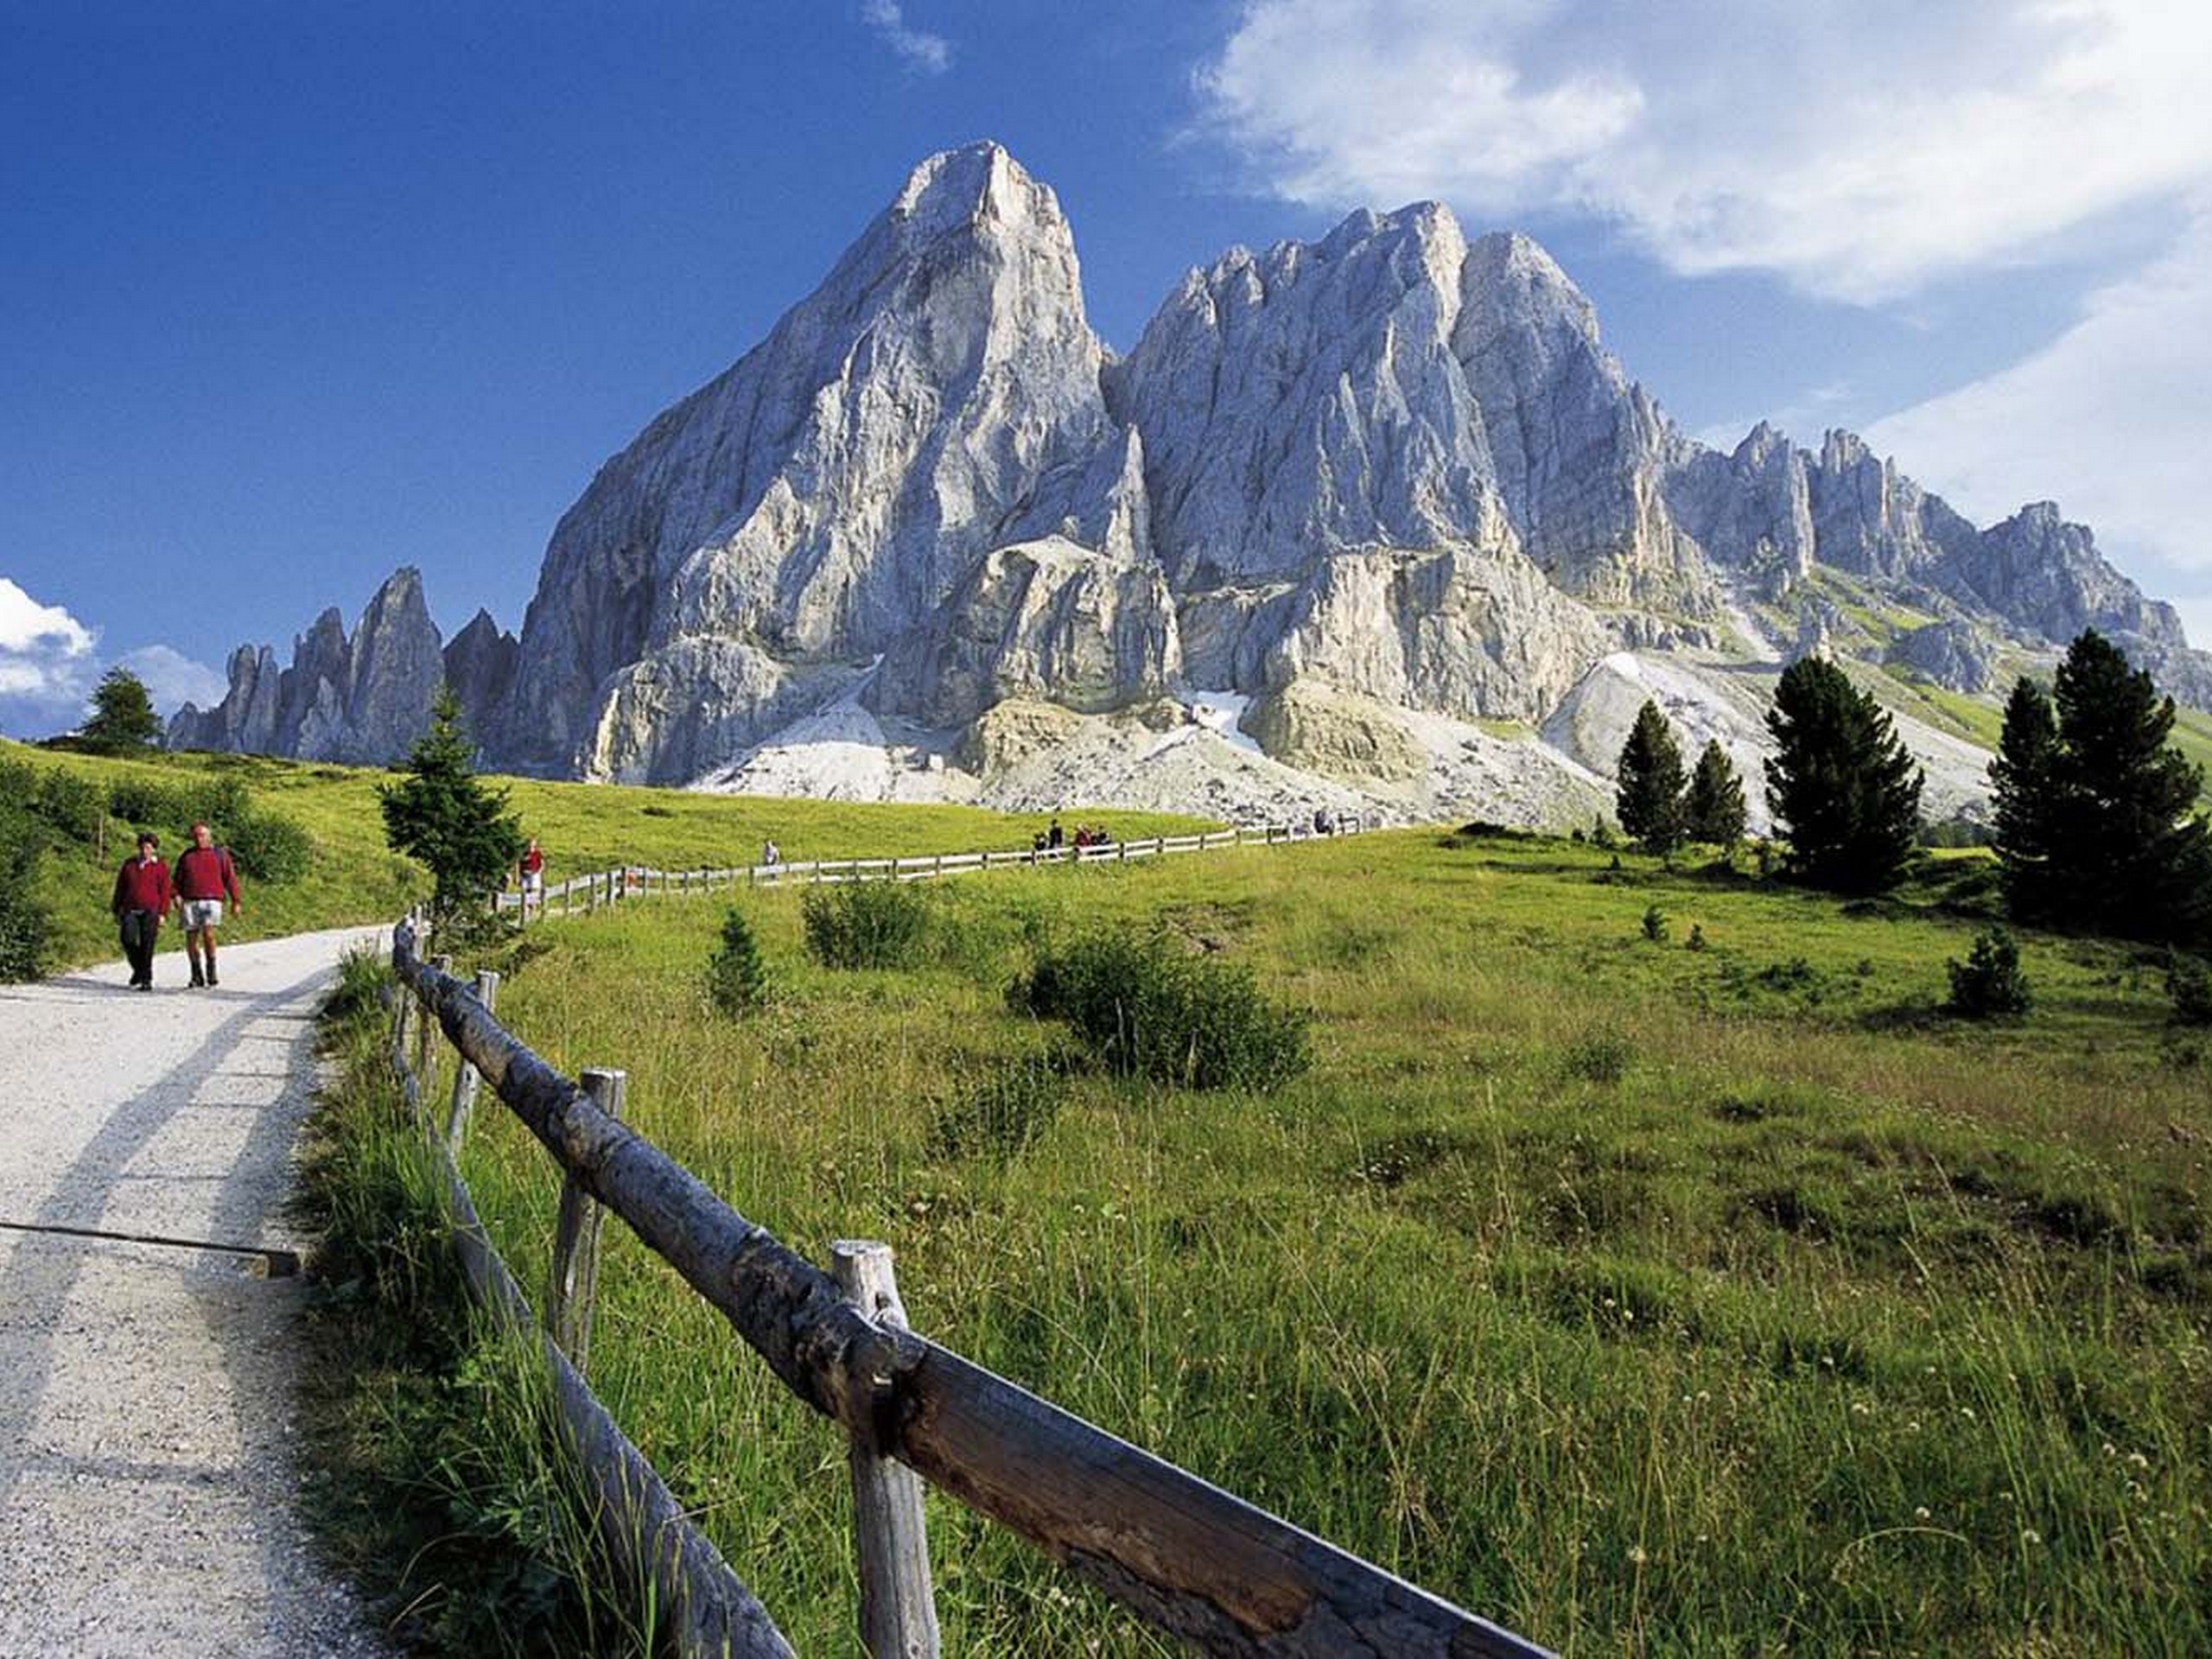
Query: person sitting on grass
[142,899]
[203,879]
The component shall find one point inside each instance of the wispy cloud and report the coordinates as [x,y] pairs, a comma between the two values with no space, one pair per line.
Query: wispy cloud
[930,54]
[1860,147]
[174,680]
[2111,419]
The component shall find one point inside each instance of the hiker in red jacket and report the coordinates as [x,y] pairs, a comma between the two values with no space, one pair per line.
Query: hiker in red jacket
[142,899]
[204,877]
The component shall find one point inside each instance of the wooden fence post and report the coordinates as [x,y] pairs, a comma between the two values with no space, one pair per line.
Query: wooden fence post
[464,1076]
[575,1285]
[423,1021]
[898,1610]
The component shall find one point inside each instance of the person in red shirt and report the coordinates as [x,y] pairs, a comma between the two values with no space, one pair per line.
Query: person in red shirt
[142,899]
[203,879]
[532,872]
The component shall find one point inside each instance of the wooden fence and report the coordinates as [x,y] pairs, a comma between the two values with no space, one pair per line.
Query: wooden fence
[1185,1557]
[585,893]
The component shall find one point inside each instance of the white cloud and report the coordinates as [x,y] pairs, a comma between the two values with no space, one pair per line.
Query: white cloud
[46,654]
[1859,147]
[49,661]
[930,54]
[174,680]
[2111,419]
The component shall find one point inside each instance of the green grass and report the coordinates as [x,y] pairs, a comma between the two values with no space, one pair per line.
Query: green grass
[353,877]
[1647,1299]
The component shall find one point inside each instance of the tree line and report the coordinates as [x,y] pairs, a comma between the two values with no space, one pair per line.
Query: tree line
[2096,823]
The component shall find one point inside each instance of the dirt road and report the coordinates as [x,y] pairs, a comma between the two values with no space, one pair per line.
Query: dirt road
[147,1484]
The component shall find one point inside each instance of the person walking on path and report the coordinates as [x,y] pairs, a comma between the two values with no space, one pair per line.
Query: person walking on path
[771,854]
[532,870]
[203,879]
[142,899]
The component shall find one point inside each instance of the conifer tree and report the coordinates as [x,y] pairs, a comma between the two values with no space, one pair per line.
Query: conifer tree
[123,720]
[1841,786]
[443,817]
[1649,797]
[2025,780]
[1713,810]
[737,979]
[2126,852]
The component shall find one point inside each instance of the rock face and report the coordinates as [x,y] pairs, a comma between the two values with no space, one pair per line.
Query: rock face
[361,700]
[1367,492]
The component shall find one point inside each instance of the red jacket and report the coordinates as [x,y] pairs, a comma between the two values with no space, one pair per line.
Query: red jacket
[142,887]
[205,872]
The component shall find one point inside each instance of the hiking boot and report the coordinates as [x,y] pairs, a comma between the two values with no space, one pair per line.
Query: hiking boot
[197,977]
[212,980]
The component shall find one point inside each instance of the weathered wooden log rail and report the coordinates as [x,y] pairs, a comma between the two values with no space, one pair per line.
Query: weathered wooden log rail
[1184,1555]
[601,888]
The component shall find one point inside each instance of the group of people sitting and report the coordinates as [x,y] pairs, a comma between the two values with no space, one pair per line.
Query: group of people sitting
[1053,839]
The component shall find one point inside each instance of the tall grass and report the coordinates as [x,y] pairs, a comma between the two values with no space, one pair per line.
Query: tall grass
[1646,1299]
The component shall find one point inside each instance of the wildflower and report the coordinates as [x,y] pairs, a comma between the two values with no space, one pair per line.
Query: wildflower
[1636,1555]
[1861,1408]
[1967,1412]
[2139,1460]
[1921,1513]
[2030,1535]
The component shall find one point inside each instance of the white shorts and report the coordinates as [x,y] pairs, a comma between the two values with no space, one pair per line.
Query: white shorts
[533,880]
[202,913]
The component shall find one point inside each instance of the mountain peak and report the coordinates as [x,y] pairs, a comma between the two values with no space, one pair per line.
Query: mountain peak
[974,184]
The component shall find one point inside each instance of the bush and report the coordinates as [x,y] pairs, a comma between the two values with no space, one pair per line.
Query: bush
[1148,1009]
[737,980]
[26,932]
[2189,983]
[1989,984]
[270,846]
[69,805]
[1004,1113]
[1602,1056]
[866,924]
[1655,925]
[1696,940]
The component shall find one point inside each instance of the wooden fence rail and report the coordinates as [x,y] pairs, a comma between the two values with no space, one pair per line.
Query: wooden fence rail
[1184,1555]
[600,888]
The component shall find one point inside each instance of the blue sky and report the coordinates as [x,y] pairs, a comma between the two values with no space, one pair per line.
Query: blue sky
[292,294]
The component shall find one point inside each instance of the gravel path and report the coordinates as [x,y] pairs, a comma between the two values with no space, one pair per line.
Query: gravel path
[147,1483]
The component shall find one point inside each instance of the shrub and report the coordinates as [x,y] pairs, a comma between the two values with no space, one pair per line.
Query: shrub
[1004,1112]
[270,846]
[1696,940]
[26,932]
[1989,984]
[866,924]
[2189,983]
[1655,925]
[1602,1056]
[737,979]
[67,804]
[1148,1009]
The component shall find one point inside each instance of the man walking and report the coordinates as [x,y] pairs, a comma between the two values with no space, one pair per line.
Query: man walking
[204,878]
[142,899]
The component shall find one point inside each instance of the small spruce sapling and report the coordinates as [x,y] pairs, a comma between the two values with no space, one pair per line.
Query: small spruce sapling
[737,978]
[1989,984]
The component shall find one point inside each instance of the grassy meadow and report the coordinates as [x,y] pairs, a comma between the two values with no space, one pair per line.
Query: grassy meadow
[1649,1298]
[351,876]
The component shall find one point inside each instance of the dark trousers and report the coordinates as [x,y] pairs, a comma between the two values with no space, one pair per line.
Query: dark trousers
[141,930]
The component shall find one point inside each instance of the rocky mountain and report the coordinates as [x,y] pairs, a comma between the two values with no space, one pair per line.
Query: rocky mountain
[1375,519]
[362,699]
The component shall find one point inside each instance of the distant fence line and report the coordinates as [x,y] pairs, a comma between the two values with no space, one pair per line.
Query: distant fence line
[1185,1557]
[610,887]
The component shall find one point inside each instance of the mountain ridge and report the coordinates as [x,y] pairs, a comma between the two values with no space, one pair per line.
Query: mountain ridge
[1393,469]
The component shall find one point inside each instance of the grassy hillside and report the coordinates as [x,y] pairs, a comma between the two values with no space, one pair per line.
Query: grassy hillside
[352,877]
[1649,1298]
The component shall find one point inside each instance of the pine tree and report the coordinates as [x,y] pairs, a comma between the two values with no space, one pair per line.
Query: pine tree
[1840,784]
[2026,780]
[123,720]
[443,817]
[1713,810]
[2126,853]
[1650,798]
[737,979]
